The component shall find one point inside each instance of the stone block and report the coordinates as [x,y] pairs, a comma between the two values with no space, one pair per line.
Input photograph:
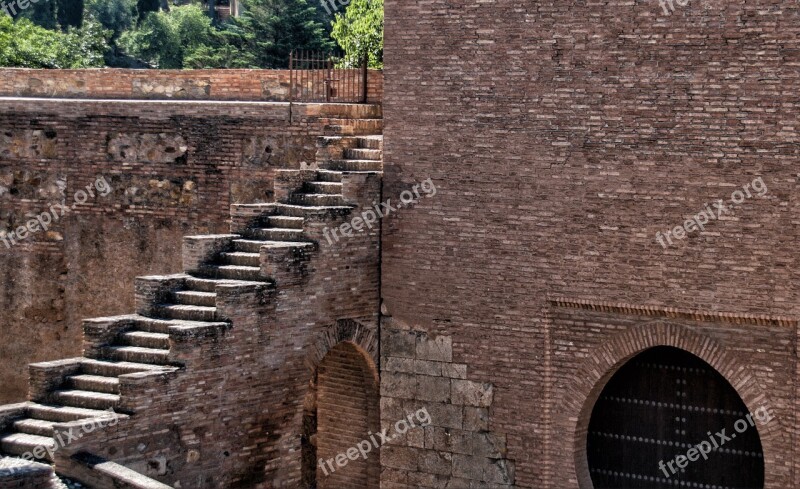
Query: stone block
[399,385]
[438,349]
[436,389]
[398,343]
[435,462]
[403,458]
[476,419]
[469,393]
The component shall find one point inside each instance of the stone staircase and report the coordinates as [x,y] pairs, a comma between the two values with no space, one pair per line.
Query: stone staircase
[88,388]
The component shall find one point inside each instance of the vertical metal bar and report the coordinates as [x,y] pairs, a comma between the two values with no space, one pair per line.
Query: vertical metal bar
[365,79]
[312,76]
[305,74]
[291,76]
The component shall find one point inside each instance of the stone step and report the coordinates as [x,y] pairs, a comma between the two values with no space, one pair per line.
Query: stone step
[201,284]
[371,142]
[286,222]
[38,427]
[21,443]
[252,246]
[232,272]
[146,339]
[195,298]
[363,154]
[243,258]
[185,312]
[102,368]
[331,188]
[329,176]
[350,110]
[87,399]
[355,165]
[96,383]
[275,234]
[162,325]
[63,414]
[320,200]
[304,210]
[137,354]
[353,127]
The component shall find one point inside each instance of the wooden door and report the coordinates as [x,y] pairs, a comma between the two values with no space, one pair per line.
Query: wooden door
[659,405]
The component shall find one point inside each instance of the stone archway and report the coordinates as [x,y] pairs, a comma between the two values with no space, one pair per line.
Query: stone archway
[342,410]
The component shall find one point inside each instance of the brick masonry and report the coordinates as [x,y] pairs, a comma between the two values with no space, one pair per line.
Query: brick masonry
[562,136]
[173,167]
[243,85]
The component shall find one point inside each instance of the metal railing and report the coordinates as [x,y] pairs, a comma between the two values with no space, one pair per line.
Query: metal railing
[314,77]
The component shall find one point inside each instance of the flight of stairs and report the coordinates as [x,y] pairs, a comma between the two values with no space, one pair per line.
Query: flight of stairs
[92,387]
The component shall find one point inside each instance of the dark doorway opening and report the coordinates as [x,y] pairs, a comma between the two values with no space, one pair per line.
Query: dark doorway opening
[660,405]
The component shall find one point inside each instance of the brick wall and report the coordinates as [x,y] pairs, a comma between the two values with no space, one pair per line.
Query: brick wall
[562,136]
[252,85]
[173,169]
[234,416]
[347,411]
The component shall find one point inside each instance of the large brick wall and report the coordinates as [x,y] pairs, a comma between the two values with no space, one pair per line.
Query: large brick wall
[173,168]
[251,85]
[563,136]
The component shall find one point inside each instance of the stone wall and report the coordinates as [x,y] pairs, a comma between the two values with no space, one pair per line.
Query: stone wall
[244,85]
[168,169]
[563,136]
[459,447]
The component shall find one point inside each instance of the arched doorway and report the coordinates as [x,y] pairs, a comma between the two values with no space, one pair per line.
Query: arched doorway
[342,414]
[659,406]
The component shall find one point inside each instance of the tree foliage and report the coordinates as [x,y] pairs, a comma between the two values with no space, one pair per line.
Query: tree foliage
[43,13]
[360,32]
[27,45]
[270,29]
[184,37]
[70,13]
[115,15]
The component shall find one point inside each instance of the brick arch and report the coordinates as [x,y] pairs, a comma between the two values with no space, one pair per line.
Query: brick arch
[341,406]
[576,405]
[344,330]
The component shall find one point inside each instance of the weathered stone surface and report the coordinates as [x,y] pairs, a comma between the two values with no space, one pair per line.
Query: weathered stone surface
[471,393]
[439,349]
[435,389]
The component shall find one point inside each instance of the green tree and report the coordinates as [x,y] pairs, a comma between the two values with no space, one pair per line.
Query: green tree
[271,29]
[27,45]
[70,13]
[184,37]
[115,15]
[44,13]
[360,32]
[144,7]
